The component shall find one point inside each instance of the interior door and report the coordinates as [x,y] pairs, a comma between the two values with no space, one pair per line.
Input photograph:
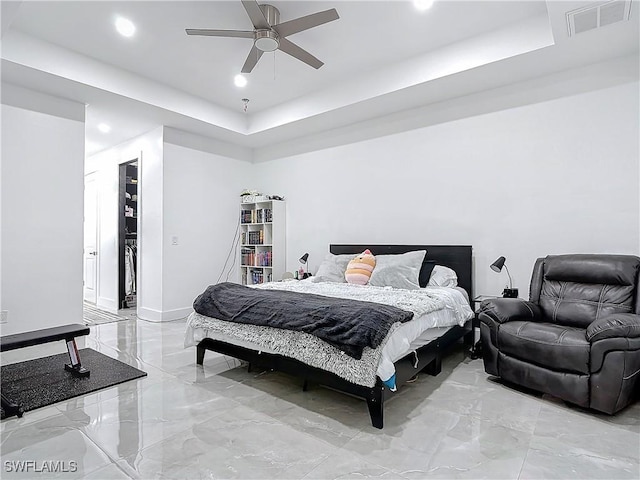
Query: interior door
[90,238]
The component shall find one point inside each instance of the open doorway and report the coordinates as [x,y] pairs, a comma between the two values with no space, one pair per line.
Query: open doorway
[128,219]
[111,267]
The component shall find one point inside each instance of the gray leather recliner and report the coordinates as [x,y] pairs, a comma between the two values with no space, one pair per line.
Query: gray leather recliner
[578,336]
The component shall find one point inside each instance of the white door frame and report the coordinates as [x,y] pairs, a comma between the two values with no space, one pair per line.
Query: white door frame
[90,252]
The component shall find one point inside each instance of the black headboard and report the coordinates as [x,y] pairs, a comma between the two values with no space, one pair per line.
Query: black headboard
[456,257]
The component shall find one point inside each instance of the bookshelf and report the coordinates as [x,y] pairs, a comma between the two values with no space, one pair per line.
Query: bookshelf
[262,241]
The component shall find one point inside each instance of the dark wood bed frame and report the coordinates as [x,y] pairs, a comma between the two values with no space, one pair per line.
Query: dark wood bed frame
[456,257]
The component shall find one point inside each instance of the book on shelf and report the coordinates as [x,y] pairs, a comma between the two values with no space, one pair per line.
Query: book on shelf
[252,238]
[246,216]
[257,276]
[249,257]
[259,215]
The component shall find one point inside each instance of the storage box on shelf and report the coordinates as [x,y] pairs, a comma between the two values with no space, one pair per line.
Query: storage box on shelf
[262,241]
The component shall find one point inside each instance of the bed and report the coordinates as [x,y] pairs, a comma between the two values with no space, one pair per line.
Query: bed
[377,374]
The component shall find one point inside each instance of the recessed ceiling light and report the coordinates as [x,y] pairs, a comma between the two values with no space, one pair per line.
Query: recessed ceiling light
[104,128]
[125,27]
[423,4]
[240,80]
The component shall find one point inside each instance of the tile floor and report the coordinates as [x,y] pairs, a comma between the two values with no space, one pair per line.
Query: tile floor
[219,421]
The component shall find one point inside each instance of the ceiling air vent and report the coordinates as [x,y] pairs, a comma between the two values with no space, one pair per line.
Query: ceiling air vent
[597,16]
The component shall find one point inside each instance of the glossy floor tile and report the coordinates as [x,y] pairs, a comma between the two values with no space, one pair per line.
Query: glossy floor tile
[186,421]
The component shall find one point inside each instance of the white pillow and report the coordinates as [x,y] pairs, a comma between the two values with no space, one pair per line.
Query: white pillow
[443,277]
[332,268]
[398,271]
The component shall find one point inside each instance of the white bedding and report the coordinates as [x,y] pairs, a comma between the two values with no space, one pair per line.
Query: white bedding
[436,309]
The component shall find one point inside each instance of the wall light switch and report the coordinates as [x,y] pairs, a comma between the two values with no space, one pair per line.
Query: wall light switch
[174,240]
[4,316]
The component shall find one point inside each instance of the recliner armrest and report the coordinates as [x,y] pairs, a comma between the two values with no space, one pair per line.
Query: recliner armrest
[618,325]
[502,310]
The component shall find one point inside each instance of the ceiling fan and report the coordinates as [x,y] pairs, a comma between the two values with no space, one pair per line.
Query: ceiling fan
[269,35]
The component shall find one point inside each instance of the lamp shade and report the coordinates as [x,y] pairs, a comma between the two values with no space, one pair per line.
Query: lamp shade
[304,258]
[498,264]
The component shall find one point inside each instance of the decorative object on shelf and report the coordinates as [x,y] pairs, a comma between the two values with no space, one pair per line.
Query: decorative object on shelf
[304,272]
[497,267]
[252,196]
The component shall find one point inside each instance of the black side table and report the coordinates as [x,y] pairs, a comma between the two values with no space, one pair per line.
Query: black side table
[476,349]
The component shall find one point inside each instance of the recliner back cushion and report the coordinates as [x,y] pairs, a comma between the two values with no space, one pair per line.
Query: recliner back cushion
[578,289]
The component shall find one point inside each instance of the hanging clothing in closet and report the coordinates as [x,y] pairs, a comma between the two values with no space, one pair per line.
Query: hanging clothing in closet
[130,268]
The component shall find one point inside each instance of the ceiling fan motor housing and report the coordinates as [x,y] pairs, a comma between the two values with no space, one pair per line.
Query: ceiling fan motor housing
[271,13]
[267,40]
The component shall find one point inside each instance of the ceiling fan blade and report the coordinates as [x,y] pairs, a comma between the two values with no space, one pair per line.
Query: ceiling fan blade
[305,23]
[220,33]
[255,14]
[252,59]
[295,51]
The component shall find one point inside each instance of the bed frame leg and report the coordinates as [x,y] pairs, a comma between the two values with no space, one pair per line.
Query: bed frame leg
[435,367]
[200,354]
[469,339]
[375,402]
[305,385]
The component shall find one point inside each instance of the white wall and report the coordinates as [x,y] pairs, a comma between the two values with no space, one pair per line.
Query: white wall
[42,212]
[559,176]
[201,208]
[185,193]
[148,150]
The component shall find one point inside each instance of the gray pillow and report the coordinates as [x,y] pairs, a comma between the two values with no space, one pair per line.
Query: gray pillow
[398,271]
[332,268]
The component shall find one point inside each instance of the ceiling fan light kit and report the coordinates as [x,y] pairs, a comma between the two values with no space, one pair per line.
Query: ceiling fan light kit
[266,40]
[269,34]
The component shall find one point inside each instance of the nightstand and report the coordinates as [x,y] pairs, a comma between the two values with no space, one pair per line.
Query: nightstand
[476,348]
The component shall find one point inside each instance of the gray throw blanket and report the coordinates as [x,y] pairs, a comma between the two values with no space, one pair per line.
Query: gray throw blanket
[349,325]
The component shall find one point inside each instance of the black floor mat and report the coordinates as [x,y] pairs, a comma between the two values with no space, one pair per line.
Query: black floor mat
[43,381]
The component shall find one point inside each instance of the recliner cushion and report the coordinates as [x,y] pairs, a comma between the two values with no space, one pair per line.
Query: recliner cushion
[556,347]
[579,289]
[580,304]
[592,268]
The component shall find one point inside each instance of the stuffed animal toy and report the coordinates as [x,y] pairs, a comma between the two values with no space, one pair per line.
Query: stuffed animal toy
[359,269]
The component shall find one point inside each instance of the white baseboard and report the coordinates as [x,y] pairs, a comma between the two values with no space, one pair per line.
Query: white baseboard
[149,314]
[176,314]
[152,315]
[107,304]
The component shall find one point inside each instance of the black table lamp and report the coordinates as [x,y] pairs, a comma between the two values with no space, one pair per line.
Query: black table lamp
[304,259]
[497,267]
